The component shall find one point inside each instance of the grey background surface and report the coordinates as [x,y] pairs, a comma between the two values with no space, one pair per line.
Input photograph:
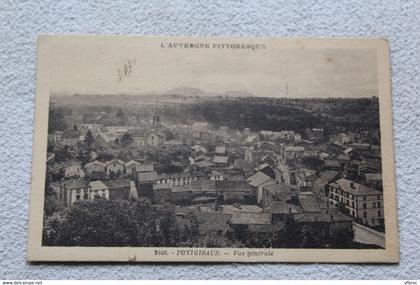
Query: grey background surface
[21,21]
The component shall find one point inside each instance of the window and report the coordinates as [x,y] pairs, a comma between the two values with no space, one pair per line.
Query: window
[364,214]
[379,204]
[379,213]
[352,204]
[364,206]
[364,198]
[379,197]
[374,204]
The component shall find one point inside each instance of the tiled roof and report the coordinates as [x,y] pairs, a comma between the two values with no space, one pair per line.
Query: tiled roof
[276,189]
[284,207]
[147,176]
[220,159]
[230,209]
[309,202]
[245,218]
[232,186]
[326,177]
[95,162]
[212,221]
[220,149]
[118,183]
[97,185]
[324,217]
[145,168]
[131,163]
[72,183]
[258,179]
[115,161]
[203,164]
[356,188]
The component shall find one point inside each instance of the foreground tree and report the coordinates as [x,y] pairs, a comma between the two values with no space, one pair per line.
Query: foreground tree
[116,223]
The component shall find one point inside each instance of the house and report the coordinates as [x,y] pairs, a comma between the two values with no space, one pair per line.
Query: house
[243,165]
[230,209]
[161,192]
[98,189]
[253,156]
[71,191]
[215,223]
[251,139]
[235,191]
[67,169]
[204,187]
[247,224]
[223,131]
[144,183]
[200,126]
[179,179]
[220,150]
[220,159]
[203,164]
[95,128]
[119,188]
[145,168]
[305,177]
[201,157]
[216,175]
[72,169]
[315,134]
[311,203]
[246,132]
[103,139]
[70,137]
[139,141]
[359,201]
[57,137]
[332,164]
[274,192]
[269,159]
[199,148]
[232,174]
[319,186]
[292,152]
[374,180]
[155,139]
[131,166]
[114,168]
[181,194]
[326,222]
[258,181]
[147,177]
[94,167]
[266,169]
[284,173]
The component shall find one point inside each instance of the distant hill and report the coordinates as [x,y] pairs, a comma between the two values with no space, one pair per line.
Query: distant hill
[189,91]
[236,93]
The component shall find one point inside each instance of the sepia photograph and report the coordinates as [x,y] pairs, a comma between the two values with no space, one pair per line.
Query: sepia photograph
[213,149]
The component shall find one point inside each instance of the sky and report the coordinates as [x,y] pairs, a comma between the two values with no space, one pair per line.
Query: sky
[95,67]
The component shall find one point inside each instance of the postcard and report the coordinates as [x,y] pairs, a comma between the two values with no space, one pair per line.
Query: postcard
[183,149]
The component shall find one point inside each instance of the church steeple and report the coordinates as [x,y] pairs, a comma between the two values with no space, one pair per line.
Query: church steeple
[156,116]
